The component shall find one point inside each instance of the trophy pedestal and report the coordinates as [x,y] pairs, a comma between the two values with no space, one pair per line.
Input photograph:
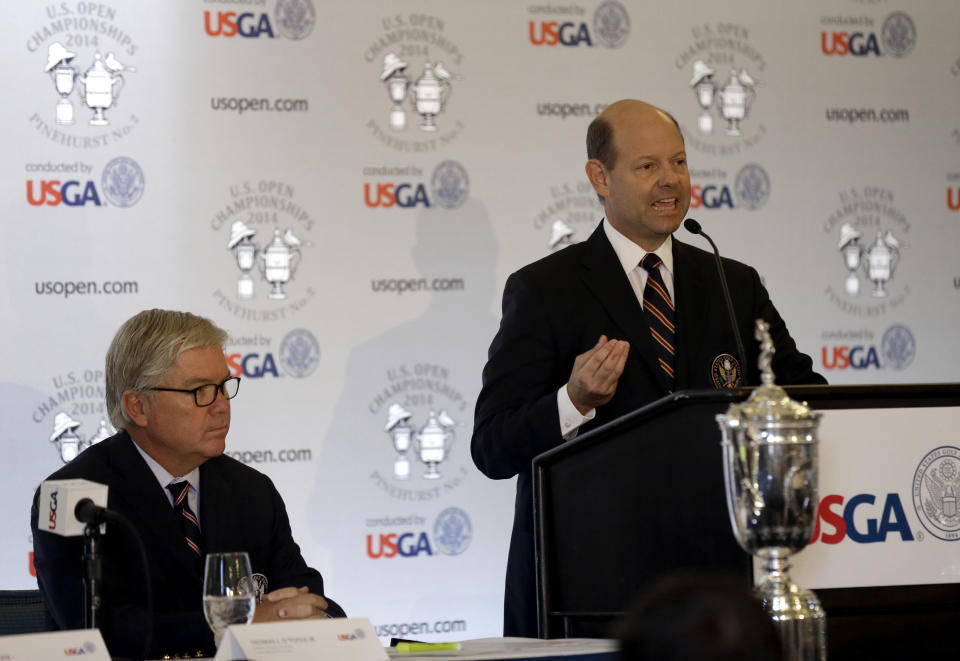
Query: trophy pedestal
[98,118]
[705,123]
[245,287]
[796,614]
[733,128]
[65,112]
[431,472]
[428,123]
[398,119]
[277,292]
[401,468]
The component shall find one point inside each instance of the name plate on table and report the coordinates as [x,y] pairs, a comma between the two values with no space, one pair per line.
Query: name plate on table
[54,645]
[344,639]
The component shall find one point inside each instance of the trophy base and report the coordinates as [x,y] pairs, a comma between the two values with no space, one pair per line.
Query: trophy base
[797,616]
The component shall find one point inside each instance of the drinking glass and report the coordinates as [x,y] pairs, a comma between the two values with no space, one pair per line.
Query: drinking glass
[228,594]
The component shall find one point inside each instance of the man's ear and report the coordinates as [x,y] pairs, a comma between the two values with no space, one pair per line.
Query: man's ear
[137,407]
[597,174]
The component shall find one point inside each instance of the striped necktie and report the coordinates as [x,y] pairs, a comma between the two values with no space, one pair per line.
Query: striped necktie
[658,311]
[188,520]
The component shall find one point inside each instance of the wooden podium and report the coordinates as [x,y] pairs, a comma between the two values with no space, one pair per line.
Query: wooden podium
[643,496]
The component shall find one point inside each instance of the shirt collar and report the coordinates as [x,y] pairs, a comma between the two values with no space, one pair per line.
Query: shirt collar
[163,475]
[630,254]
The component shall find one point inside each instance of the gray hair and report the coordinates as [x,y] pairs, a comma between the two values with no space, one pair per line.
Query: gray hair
[146,347]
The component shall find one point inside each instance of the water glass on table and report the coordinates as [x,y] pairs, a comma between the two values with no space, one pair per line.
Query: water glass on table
[229,596]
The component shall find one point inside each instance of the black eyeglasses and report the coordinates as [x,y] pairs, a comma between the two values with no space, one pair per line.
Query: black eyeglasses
[206,394]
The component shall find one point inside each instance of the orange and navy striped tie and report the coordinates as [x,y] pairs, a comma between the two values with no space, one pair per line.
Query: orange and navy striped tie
[658,311]
[188,520]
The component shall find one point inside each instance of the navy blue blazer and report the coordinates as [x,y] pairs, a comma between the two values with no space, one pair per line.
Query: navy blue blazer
[557,308]
[240,510]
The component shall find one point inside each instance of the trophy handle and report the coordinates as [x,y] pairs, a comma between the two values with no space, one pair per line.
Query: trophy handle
[294,261]
[446,89]
[118,79]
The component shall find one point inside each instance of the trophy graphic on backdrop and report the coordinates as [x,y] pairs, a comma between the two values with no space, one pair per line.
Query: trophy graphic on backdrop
[398,84]
[432,441]
[279,259]
[64,76]
[430,94]
[561,234]
[852,253]
[101,83]
[735,99]
[705,88]
[69,443]
[770,469]
[882,259]
[401,433]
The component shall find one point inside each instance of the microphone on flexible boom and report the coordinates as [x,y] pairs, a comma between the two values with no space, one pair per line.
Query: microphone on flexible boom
[693,227]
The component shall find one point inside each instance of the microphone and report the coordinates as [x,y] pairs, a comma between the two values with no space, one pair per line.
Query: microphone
[66,506]
[694,227]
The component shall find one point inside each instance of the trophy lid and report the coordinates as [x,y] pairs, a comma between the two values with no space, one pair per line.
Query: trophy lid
[769,405]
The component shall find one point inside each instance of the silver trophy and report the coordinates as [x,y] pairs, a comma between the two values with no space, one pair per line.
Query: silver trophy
[770,471]
[280,261]
[401,433]
[245,251]
[98,84]
[561,234]
[852,253]
[64,76]
[430,94]
[735,100]
[65,436]
[398,85]
[433,442]
[705,88]
[882,259]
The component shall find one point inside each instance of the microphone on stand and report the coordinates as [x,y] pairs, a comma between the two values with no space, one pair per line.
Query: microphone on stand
[694,227]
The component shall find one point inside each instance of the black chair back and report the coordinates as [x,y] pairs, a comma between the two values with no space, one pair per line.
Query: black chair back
[22,611]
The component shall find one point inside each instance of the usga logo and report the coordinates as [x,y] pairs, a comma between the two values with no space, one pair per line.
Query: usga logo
[299,355]
[610,28]
[953,198]
[452,533]
[842,519]
[750,191]
[899,36]
[122,185]
[449,187]
[294,19]
[897,350]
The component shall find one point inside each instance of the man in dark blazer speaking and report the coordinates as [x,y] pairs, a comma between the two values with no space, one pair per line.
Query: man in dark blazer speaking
[168,390]
[576,348]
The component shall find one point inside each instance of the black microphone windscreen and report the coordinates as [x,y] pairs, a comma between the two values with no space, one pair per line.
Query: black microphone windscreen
[692,226]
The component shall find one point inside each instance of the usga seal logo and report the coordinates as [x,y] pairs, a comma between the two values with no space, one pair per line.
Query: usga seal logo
[752,186]
[725,372]
[450,184]
[299,353]
[936,486]
[611,24]
[452,531]
[899,34]
[898,347]
[122,182]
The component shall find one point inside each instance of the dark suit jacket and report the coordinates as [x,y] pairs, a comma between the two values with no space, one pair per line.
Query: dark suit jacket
[240,510]
[556,309]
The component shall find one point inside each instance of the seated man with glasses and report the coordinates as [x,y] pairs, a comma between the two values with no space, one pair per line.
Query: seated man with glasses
[168,390]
